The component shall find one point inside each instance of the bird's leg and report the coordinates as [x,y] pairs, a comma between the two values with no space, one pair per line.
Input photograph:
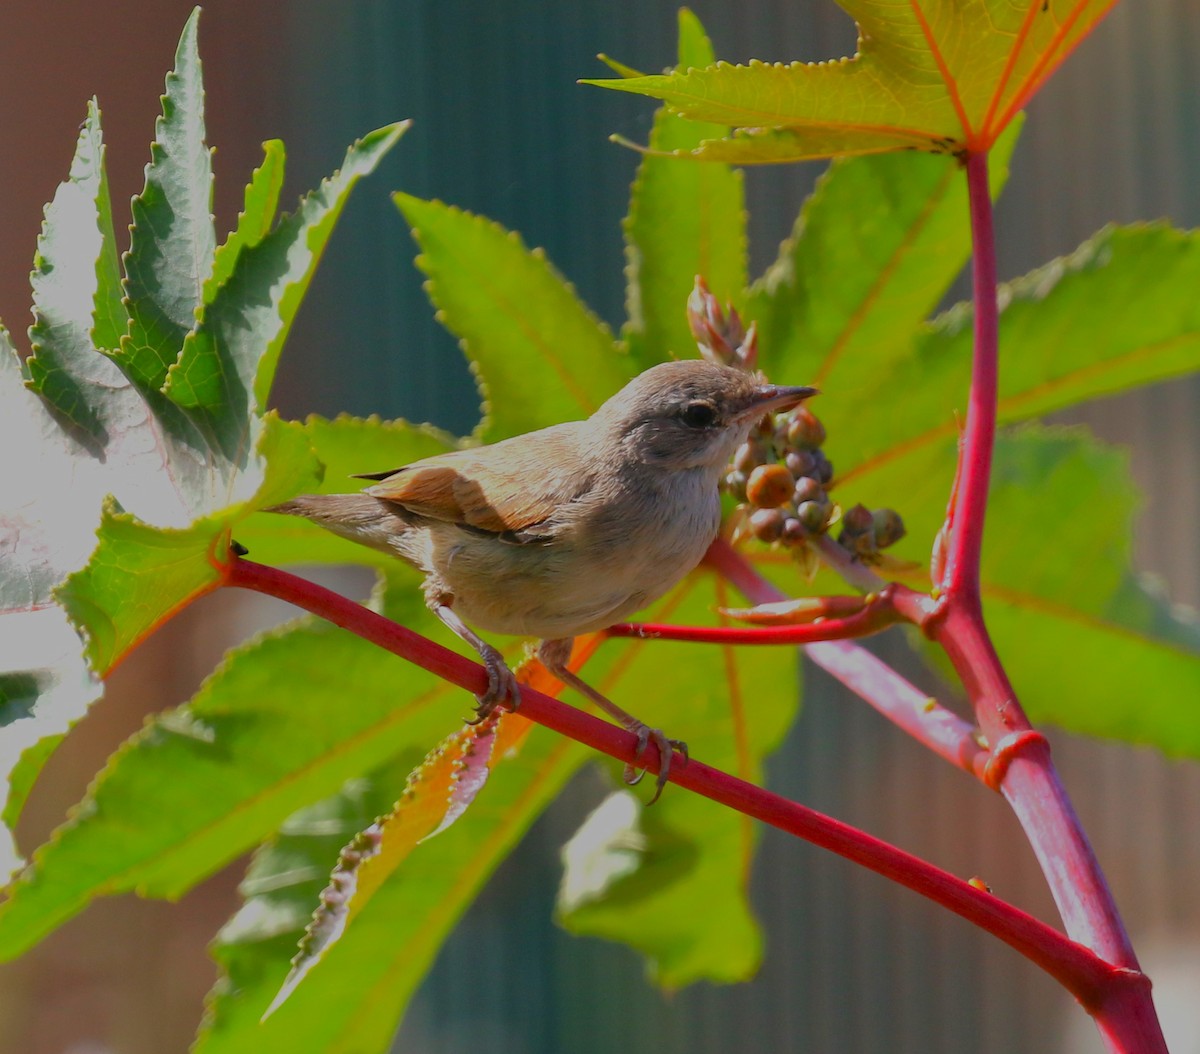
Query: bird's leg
[502,684]
[554,655]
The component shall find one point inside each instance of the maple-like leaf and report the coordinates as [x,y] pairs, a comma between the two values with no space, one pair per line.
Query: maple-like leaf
[945,76]
[114,426]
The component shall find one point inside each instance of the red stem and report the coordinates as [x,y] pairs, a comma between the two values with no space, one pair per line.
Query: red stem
[874,617]
[1084,974]
[1021,766]
[975,448]
[922,717]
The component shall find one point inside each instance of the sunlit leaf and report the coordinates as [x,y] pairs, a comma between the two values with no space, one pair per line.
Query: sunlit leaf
[540,355]
[932,76]
[1067,335]
[684,220]
[872,253]
[172,239]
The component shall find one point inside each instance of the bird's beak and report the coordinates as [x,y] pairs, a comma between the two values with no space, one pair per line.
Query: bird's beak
[767,398]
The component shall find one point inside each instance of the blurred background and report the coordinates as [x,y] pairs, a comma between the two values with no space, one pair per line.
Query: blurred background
[853,964]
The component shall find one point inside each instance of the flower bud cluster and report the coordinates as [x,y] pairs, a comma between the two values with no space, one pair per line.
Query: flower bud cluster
[864,533]
[719,334]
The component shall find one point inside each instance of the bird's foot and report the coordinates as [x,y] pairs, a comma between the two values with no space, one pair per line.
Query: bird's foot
[502,690]
[666,753]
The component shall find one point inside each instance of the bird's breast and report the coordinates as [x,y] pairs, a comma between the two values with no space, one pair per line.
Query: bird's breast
[606,558]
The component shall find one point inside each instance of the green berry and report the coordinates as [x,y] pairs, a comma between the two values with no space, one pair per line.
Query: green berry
[813,516]
[823,468]
[793,530]
[749,456]
[735,484]
[887,527]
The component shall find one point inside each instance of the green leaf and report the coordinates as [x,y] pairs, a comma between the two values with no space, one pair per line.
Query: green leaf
[139,575]
[228,362]
[354,1000]
[937,77]
[1067,335]
[89,433]
[172,239]
[110,318]
[871,255]
[264,736]
[541,357]
[72,292]
[684,220]
[254,221]
[1086,647]
[1126,675]
[95,431]
[45,687]
[685,907]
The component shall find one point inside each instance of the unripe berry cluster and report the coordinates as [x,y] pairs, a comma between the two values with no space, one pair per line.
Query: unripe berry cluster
[779,475]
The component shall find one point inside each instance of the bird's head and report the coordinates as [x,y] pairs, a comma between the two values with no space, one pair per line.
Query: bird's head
[689,414]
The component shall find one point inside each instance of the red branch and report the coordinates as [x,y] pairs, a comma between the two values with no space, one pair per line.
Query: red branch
[1020,762]
[1091,980]
[892,604]
[918,714]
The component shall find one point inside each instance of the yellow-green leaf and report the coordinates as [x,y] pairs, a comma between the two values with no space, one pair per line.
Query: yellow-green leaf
[928,75]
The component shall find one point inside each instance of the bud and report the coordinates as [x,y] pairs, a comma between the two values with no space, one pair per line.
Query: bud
[747,350]
[735,484]
[734,332]
[767,524]
[858,520]
[749,456]
[805,432]
[719,339]
[858,531]
[793,530]
[887,527]
[807,489]
[813,516]
[800,462]
[769,486]
[823,467]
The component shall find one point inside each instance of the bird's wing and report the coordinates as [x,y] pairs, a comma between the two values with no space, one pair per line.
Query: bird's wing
[504,489]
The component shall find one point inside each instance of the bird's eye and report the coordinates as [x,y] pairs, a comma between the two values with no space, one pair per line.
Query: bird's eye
[699,414]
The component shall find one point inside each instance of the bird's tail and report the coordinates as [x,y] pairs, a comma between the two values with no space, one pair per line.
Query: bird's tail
[358,517]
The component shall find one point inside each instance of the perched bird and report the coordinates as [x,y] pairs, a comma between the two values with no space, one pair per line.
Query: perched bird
[569,529]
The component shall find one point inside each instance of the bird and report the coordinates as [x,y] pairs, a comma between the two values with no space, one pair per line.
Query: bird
[568,529]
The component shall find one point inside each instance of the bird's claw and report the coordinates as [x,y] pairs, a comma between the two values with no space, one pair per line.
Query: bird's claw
[666,748]
[502,690]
